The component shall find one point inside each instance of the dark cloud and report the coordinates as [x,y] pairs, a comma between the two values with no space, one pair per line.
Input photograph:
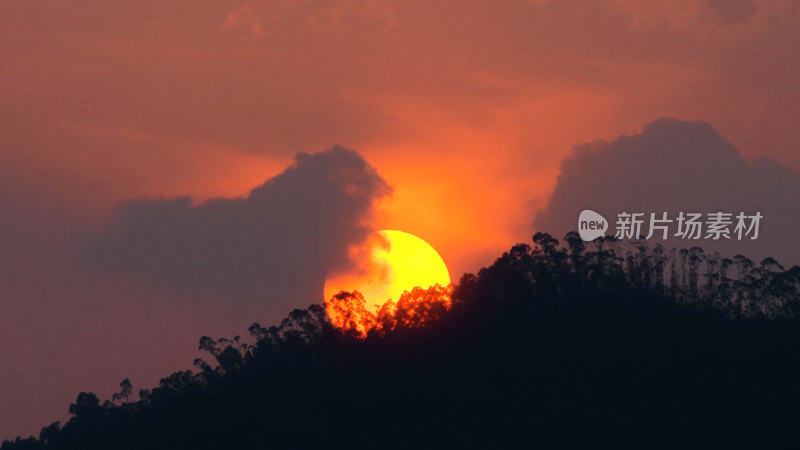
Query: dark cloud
[678,166]
[275,245]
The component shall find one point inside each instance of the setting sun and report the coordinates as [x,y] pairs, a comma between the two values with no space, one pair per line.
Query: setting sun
[386,264]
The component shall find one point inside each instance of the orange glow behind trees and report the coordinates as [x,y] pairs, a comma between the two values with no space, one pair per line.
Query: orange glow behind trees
[397,281]
[416,308]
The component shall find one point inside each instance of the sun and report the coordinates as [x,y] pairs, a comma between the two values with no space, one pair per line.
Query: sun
[386,264]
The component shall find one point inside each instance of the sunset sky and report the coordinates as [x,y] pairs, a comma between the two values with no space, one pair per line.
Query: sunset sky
[464,109]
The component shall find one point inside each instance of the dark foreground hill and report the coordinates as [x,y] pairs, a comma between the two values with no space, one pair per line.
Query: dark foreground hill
[551,347]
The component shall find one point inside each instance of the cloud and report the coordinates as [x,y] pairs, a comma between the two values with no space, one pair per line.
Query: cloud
[244,17]
[732,11]
[276,244]
[676,166]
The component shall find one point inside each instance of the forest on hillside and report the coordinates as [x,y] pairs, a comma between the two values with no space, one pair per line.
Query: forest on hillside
[555,345]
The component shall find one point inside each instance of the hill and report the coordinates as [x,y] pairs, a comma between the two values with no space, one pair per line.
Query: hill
[553,346]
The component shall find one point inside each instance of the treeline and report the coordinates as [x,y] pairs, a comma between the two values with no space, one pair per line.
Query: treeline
[552,346]
[735,286]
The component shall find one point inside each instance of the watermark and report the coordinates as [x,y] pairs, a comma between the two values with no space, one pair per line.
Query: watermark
[690,226]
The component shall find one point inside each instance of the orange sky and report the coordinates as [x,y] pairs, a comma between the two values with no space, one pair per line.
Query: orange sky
[466,108]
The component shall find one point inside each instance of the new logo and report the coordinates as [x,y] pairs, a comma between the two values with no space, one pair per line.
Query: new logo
[591,225]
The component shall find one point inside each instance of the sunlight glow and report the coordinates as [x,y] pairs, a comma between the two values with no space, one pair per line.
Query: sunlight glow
[388,263]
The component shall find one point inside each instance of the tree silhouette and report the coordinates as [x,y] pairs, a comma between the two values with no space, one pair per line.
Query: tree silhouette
[126,389]
[582,345]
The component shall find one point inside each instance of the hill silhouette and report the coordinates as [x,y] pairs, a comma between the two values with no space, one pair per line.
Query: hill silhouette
[574,345]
